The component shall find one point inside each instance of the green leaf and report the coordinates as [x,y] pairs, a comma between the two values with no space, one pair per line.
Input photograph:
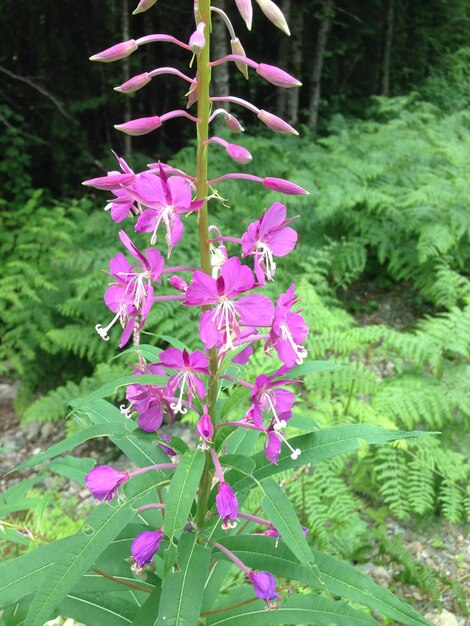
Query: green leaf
[18,505]
[214,582]
[238,462]
[298,609]
[340,578]
[71,467]
[147,614]
[280,512]
[236,398]
[326,443]
[83,548]
[183,591]
[182,491]
[149,352]
[99,609]
[173,341]
[105,430]
[312,367]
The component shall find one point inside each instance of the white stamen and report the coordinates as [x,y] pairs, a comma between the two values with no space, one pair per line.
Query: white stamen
[178,407]
[295,453]
[266,259]
[103,332]
[278,423]
[300,351]
[126,411]
[217,260]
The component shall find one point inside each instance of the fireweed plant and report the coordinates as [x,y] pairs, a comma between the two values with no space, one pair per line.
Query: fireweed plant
[164,537]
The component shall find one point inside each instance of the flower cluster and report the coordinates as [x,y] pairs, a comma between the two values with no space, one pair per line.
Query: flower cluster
[234,316]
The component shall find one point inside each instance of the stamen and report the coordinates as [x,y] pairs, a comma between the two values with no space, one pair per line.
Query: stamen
[267,259]
[178,406]
[126,411]
[103,332]
[300,351]
[295,453]
[278,423]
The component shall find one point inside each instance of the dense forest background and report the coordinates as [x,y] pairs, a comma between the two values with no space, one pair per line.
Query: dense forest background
[61,109]
[383,255]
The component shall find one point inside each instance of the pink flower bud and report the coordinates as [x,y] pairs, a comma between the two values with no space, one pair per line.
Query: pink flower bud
[205,428]
[233,123]
[264,585]
[274,14]
[178,283]
[227,505]
[276,76]
[145,546]
[197,40]
[143,6]
[119,51]
[238,153]
[238,49]
[109,182]
[104,480]
[140,126]
[276,123]
[246,11]
[134,84]
[284,186]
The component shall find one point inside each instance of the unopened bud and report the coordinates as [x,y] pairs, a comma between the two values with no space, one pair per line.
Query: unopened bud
[246,11]
[119,51]
[284,186]
[276,76]
[276,123]
[110,182]
[274,14]
[238,49]
[197,40]
[134,84]
[143,6]
[140,126]
[233,123]
[238,153]
[178,283]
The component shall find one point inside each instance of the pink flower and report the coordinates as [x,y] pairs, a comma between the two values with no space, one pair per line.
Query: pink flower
[103,481]
[227,505]
[269,237]
[166,199]
[276,76]
[272,446]
[135,83]
[145,546]
[246,11]
[132,293]
[235,279]
[205,429]
[166,449]
[150,403]
[187,364]
[268,396]
[117,52]
[197,40]
[288,331]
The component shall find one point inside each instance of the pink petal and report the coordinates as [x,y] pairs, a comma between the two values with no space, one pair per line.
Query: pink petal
[238,278]
[255,310]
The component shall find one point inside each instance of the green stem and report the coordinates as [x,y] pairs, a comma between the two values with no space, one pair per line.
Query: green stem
[202,188]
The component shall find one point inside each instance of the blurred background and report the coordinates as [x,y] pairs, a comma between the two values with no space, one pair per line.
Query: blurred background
[383,251]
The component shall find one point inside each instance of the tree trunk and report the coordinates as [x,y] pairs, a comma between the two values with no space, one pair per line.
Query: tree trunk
[220,48]
[126,75]
[317,68]
[388,50]
[297,27]
[283,61]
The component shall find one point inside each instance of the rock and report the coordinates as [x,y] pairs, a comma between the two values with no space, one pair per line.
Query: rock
[444,618]
[31,430]
[8,392]
[48,430]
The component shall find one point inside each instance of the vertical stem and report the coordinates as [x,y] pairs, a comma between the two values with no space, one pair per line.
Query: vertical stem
[203,112]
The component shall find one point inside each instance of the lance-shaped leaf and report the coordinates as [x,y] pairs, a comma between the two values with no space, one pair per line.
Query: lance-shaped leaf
[82,549]
[342,579]
[146,614]
[99,608]
[311,609]
[109,389]
[182,491]
[183,590]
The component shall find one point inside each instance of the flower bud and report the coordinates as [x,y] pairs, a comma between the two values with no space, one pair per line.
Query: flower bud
[109,182]
[197,40]
[274,14]
[134,84]
[238,153]
[205,427]
[145,546]
[227,504]
[246,11]
[276,123]
[284,186]
[143,6]
[165,448]
[178,283]
[140,126]
[276,76]
[238,49]
[233,124]
[104,480]
[119,51]
[264,585]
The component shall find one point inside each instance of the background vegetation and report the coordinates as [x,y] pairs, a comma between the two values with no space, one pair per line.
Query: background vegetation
[384,236]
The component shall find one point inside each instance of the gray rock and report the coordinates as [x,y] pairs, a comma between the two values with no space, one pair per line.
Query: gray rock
[31,430]
[444,618]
